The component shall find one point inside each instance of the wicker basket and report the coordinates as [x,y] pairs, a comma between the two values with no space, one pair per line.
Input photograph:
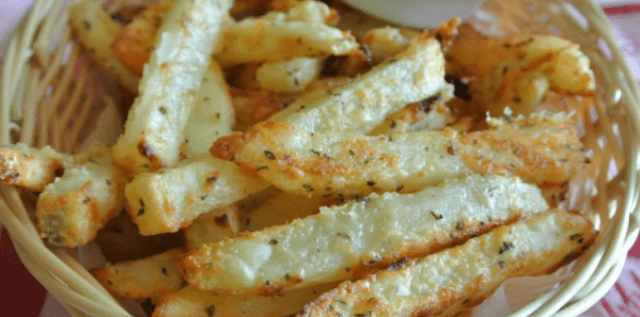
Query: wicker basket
[49,95]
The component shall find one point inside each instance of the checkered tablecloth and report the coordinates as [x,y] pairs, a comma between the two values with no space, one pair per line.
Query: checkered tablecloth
[22,295]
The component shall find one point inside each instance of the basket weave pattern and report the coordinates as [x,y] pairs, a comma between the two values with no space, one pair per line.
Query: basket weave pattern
[49,94]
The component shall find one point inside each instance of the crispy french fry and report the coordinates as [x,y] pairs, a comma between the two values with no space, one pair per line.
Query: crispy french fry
[257,40]
[411,76]
[96,31]
[461,277]
[172,198]
[141,280]
[190,302]
[349,241]
[542,149]
[169,87]
[211,117]
[75,206]
[213,227]
[288,76]
[30,168]
[306,10]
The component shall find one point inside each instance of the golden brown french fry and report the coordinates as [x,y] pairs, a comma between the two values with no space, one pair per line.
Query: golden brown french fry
[30,168]
[305,10]
[190,302]
[169,88]
[75,206]
[96,31]
[542,149]
[253,106]
[346,242]
[413,75]
[212,115]
[463,276]
[141,280]
[429,114]
[384,43]
[257,40]
[172,198]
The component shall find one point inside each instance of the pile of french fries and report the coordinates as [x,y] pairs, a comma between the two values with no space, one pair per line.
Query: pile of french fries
[313,169]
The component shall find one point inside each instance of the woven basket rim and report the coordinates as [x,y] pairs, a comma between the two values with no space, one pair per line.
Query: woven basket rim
[82,295]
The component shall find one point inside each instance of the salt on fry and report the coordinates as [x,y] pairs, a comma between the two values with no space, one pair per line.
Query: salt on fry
[349,241]
[172,198]
[170,85]
[459,278]
[542,149]
[96,31]
[31,168]
[75,206]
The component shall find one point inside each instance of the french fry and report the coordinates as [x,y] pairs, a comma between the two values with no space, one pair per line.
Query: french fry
[140,280]
[411,76]
[282,208]
[288,76]
[172,198]
[213,227]
[257,40]
[212,115]
[96,31]
[134,43]
[30,168]
[384,43]
[542,149]
[517,71]
[445,283]
[169,87]
[429,114]
[349,241]
[75,206]
[306,10]
[190,302]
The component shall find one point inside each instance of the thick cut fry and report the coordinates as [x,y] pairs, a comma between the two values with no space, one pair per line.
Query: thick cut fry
[213,227]
[74,207]
[411,76]
[542,149]
[464,276]
[349,241]
[172,198]
[30,168]
[190,302]
[170,85]
[134,43]
[96,31]
[211,117]
[257,40]
[141,280]
[288,76]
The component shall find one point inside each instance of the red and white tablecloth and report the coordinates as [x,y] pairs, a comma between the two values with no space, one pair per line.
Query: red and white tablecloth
[22,295]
